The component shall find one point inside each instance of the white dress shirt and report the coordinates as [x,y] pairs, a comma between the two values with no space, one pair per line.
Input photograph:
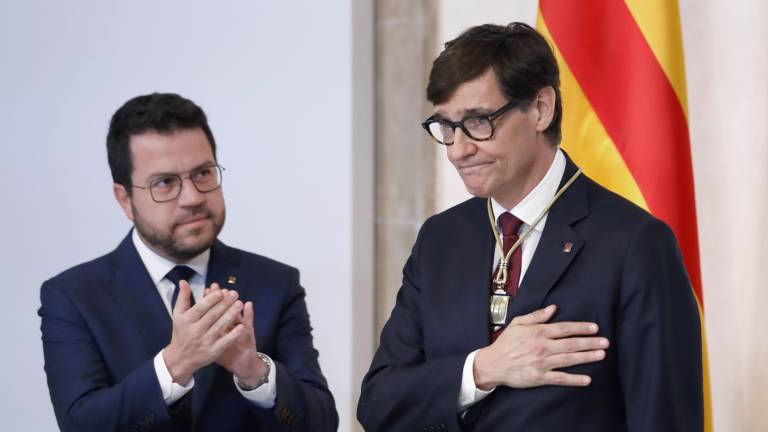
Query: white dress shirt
[527,211]
[157,266]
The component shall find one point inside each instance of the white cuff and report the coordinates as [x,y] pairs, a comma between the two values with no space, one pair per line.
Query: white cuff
[469,393]
[264,395]
[171,391]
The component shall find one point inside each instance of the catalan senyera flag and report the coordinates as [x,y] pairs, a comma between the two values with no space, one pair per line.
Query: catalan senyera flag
[625,116]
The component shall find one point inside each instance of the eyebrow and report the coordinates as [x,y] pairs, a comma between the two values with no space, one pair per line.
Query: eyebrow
[154,176]
[466,113]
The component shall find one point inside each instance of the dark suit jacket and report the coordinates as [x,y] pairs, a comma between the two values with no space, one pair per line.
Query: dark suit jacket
[103,322]
[624,272]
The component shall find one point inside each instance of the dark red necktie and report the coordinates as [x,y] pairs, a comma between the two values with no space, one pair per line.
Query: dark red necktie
[510,225]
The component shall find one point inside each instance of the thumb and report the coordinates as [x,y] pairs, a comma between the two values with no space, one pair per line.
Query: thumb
[536,317]
[248,316]
[183,302]
[248,322]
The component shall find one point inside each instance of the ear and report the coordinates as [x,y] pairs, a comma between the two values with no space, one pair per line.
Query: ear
[545,106]
[124,199]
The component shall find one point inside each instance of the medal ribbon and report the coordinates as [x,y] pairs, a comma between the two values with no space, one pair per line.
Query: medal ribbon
[501,277]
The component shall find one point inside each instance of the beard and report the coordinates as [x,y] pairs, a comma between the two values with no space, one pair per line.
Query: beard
[173,243]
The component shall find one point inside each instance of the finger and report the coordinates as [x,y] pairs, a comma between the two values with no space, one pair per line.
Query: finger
[558,361]
[214,286]
[248,317]
[204,305]
[565,379]
[536,317]
[567,329]
[576,344]
[215,312]
[228,338]
[227,320]
[183,301]
[225,292]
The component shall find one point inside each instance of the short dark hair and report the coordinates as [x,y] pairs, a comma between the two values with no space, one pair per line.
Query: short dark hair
[163,113]
[520,57]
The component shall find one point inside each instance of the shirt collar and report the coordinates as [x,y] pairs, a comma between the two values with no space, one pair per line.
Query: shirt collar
[537,199]
[158,266]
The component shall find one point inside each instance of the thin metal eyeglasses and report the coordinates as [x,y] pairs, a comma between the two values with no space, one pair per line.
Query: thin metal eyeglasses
[478,127]
[167,187]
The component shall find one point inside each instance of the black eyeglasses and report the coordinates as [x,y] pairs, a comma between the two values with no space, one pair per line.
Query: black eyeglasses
[477,127]
[168,187]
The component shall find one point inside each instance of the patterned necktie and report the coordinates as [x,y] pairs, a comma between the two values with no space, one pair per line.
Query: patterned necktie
[179,273]
[510,225]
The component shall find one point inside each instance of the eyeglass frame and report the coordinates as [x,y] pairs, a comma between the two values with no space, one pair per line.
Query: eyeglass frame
[181,178]
[460,124]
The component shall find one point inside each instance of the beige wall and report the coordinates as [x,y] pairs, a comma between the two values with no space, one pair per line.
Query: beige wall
[727,71]
[405,181]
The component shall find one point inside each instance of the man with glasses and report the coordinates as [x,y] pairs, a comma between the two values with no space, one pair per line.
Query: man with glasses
[544,303]
[175,331]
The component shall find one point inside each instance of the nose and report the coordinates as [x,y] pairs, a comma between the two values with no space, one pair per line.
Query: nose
[190,196]
[462,146]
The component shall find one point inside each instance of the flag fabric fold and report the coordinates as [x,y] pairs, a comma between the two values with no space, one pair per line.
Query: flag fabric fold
[625,112]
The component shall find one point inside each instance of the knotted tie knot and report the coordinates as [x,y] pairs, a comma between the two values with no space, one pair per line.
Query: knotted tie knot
[510,225]
[179,273]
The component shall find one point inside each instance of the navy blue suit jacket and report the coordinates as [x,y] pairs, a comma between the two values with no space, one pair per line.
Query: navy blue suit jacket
[624,272]
[104,321]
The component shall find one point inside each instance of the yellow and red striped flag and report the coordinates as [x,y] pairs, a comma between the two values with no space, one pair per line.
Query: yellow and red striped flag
[625,116]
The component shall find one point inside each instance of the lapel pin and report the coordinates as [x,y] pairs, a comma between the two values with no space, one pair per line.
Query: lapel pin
[567,247]
[231,280]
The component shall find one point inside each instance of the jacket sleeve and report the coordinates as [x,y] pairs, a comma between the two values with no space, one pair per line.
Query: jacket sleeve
[659,336]
[303,399]
[83,396]
[403,389]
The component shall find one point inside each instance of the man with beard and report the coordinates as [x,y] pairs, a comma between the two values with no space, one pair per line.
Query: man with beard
[175,331]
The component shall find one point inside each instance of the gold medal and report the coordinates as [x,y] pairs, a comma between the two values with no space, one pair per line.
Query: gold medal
[499,305]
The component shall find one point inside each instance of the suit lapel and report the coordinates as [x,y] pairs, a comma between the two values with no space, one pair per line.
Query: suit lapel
[223,266]
[475,282]
[557,248]
[137,295]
